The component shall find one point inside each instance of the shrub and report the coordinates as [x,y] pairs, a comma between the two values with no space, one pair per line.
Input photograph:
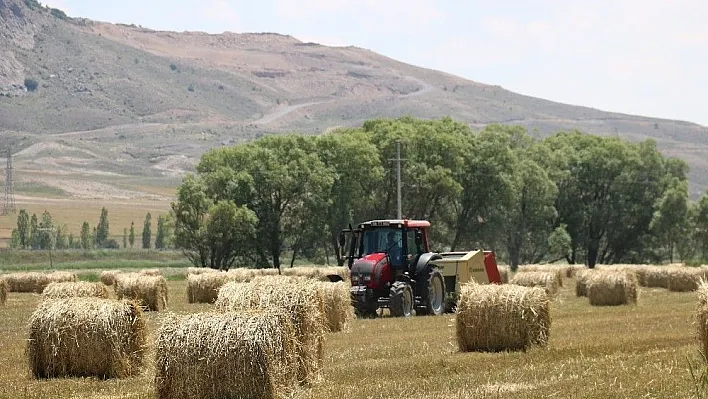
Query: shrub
[31,84]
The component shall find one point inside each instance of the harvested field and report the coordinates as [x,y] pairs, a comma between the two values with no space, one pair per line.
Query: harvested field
[502,317]
[149,291]
[35,281]
[611,288]
[303,302]
[86,337]
[74,289]
[204,288]
[545,280]
[247,354]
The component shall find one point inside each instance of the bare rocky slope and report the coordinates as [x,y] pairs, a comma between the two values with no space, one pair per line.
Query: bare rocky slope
[128,107]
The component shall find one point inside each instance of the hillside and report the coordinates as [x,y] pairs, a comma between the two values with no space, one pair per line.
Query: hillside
[122,111]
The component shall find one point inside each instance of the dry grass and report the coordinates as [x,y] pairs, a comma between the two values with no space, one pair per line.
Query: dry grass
[303,302]
[86,337]
[593,352]
[108,277]
[702,316]
[611,288]
[226,355]
[73,290]
[149,291]
[546,280]
[3,291]
[502,317]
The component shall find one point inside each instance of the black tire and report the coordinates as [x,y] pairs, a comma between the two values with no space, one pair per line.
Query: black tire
[432,293]
[401,299]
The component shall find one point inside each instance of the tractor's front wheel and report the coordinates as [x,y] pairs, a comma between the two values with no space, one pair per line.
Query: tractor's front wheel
[401,299]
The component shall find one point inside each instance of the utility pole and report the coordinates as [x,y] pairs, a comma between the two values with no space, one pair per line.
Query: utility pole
[399,213]
[9,204]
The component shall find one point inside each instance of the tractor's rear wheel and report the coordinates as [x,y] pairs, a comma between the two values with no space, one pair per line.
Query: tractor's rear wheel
[433,294]
[401,299]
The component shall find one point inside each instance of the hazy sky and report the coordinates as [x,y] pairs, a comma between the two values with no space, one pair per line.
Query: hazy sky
[644,57]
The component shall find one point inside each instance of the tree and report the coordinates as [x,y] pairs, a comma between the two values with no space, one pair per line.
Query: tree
[15,239]
[131,235]
[161,233]
[61,237]
[670,221]
[125,237]
[24,231]
[102,232]
[559,243]
[34,237]
[86,236]
[147,233]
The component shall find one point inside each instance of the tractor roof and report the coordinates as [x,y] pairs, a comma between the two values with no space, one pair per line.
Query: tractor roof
[395,223]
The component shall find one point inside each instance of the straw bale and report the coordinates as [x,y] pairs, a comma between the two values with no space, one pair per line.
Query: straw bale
[35,281]
[581,281]
[150,272]
[559,270]
[303,302]
[3,291]
[684,279]
[200,270]
[546,280]
[317,273]
[150,291]
[204,288]
[108,277]
[654,276]
[247,354]
[611,288]
[504,272]
[337,305]
[77,289]
[84,337]
[492,317]
[702,315]
[573,270]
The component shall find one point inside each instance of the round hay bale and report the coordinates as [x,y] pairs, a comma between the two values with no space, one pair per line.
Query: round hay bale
[507,317]
[108,277]
[303,302]
[656,276]
[560,271]
[504,272]
[546,280]
[86,337]
[573,270]
[317,273]
[612,288]
[248,354]
[35,281]
[149,291]
[150,272]
[200,270]
[684,279]
[77,289]
[581,281]
[3,291]
[702,315]
[204,288]
[338,308]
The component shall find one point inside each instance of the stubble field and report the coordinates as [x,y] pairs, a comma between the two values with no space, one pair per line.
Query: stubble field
[593,352]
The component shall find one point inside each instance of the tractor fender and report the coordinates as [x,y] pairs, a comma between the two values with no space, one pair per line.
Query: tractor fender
[423,260]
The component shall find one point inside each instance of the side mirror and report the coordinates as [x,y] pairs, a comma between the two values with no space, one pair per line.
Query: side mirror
[342,239]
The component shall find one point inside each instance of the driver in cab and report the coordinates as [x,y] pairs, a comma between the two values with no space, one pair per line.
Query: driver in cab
[393,248]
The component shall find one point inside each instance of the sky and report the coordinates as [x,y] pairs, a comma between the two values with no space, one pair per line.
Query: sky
[643,57]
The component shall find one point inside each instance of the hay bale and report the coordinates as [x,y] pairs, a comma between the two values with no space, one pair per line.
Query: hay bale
[684,279]
[200,270]
[702,315]
[546,280]
[226,355]
[150,272]
[72,290]
[35,281]
[507,317]
[611,288]
[86,337]
[560,271]
[303,302]
[149,291]
[581,281]
[204,288]
[338,308]
[108,277]
[3,291]
[504,272]
[572,270]
[655,276]
[317,273]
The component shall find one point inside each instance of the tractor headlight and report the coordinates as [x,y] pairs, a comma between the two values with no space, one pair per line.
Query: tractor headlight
[367,278]
[355,277]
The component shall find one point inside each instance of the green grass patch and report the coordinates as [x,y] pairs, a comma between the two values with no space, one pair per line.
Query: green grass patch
[78,259]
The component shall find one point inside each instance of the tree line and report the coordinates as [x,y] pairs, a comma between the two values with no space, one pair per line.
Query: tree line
[42,233]
[571,196]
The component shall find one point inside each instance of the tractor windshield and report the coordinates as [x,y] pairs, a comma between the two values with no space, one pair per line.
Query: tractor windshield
[383,239]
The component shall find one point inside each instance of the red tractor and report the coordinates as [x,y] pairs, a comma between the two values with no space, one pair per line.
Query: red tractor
[392,267]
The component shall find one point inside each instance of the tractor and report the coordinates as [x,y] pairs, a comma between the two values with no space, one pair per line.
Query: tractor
[392,267]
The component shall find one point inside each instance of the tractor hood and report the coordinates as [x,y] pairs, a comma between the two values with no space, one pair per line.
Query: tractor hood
[367,270]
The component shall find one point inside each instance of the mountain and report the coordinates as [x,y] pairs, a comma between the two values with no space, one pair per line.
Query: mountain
[93,109]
